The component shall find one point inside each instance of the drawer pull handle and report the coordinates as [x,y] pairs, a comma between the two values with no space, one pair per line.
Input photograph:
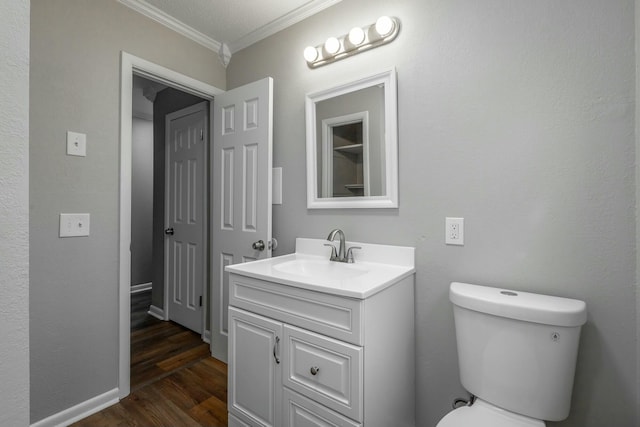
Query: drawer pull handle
[314,370]
[276,350]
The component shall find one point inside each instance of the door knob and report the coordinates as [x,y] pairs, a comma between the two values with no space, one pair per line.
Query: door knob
[169,231]
[258,246]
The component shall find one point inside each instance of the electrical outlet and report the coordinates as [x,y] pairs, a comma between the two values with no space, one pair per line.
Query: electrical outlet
[454,231]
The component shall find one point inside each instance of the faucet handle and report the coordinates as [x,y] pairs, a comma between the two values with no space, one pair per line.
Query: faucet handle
[350,259]
[334,253]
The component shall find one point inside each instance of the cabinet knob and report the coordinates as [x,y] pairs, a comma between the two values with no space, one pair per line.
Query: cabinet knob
[314,370]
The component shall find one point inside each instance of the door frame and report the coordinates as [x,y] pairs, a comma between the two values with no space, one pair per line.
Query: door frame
[130,65]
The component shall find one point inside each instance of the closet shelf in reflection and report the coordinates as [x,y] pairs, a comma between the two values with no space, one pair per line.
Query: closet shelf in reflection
[353,148]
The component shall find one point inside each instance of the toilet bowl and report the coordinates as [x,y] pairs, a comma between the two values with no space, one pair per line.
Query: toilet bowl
[483,414]
[516,354]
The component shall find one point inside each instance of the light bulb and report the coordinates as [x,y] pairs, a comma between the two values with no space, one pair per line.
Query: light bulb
[332,45]
[384,25]
[356,36]
[310,53]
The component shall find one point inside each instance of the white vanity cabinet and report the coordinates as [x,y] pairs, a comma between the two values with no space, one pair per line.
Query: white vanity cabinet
[302,357]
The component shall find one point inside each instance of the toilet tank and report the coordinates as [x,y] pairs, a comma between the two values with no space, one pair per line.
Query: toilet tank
[517,350]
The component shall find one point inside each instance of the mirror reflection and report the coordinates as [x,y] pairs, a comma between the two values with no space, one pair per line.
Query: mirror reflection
[352,144]
[351,153]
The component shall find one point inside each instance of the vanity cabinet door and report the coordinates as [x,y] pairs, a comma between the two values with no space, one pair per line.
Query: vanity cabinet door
[255,371]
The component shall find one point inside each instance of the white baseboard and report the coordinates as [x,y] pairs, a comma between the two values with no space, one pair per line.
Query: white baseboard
[80,411]
[140,288]
[206,337]
[156,312]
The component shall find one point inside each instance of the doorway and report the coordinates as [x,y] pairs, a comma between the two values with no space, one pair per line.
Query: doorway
[160,114]
[131,65]
[240,230]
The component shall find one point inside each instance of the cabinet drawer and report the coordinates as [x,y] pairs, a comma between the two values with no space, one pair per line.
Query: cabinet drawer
[325,370]
[300,411]
[330,315]
[236,422]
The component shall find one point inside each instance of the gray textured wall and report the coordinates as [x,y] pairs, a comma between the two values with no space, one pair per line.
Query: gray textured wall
[75,81]
[517,116]
[14,212]
[141,201]
[637,158]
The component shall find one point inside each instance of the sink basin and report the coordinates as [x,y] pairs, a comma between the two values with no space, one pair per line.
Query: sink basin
[376,267]
[321,269]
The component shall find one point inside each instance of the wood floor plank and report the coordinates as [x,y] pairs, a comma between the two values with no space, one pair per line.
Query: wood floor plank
[211,412]
[215,385]
[174,381]
[158,410]
[184,358]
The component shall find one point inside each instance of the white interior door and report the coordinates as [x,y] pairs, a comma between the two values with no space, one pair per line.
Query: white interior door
[241,203]
[185,216]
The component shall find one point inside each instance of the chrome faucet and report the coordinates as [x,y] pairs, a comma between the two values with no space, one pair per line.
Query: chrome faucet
[332,236]
[342,255]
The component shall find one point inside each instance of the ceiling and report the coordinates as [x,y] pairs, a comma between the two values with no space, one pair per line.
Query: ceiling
[227,26]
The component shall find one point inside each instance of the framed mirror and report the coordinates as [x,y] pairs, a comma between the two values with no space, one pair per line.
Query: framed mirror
[352,144]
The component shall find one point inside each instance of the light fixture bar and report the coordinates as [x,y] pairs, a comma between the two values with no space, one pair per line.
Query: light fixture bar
[359,39]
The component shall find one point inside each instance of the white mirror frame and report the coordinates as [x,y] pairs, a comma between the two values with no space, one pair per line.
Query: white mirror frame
[390,199]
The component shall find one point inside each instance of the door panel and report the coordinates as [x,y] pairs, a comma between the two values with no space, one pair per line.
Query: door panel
[185,214]
[255,373]
[241,203]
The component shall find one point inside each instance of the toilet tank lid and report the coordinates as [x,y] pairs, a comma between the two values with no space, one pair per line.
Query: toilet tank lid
[525,306]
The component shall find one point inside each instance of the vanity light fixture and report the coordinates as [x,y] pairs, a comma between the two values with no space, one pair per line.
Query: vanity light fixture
[359,39]
[310,53]
[384,26]
[356,36]
[332,45]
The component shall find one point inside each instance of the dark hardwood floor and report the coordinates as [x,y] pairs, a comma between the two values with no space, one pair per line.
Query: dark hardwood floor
[174,381]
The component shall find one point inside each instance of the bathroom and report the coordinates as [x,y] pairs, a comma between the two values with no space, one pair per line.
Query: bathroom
[518,116]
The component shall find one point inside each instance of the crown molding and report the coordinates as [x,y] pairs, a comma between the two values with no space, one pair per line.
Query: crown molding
[169,21]
[281,23]
[223,50]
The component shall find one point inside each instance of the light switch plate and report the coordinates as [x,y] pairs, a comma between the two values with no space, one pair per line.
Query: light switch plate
[74,225]
[76,144]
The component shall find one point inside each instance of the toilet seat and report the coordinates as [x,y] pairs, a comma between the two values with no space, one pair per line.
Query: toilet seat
[483,414]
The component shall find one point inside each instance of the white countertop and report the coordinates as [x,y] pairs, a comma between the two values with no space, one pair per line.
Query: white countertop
[376,267]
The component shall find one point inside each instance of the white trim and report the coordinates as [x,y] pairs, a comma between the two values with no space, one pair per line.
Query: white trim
[172,23]
[281,23]
[141,287]
[206,336]
[142,116]
[130,64]
[327,149]
[387,79]
[80,411]
[224,54]
[156,312]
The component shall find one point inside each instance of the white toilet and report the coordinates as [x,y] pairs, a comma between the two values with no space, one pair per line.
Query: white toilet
[517,356]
